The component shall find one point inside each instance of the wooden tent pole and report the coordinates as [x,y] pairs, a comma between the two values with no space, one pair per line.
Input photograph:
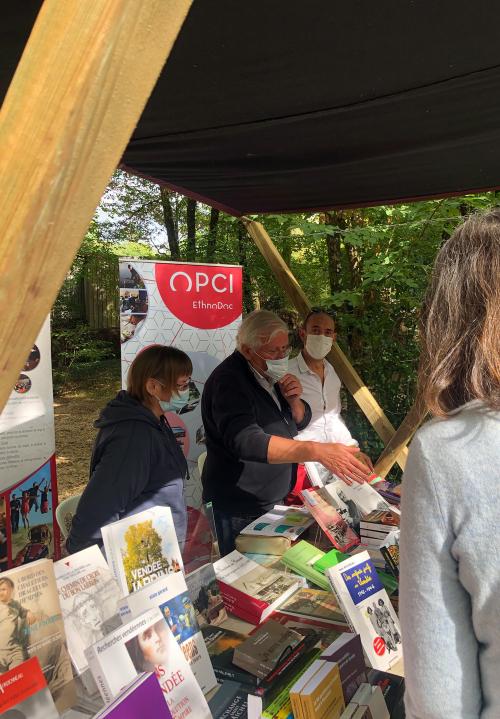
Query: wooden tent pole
[348,375]
[79,89]
[401,438]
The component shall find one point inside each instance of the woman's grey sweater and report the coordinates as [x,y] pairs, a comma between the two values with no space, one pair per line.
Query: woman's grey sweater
[450,567]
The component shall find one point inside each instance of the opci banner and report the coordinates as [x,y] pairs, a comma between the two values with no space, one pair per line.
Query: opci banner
[28,488]
[194,307]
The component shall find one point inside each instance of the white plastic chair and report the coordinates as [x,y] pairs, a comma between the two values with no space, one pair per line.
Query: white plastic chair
[65,513]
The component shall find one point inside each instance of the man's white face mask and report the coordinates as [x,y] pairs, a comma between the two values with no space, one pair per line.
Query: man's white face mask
[277,368]
[318,346]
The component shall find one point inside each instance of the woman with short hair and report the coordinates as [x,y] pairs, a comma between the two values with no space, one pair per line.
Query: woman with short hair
[450,544]
[136,462]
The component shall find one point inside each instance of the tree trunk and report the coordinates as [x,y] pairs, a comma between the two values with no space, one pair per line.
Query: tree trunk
[334,251]
[191,230]
[212,234]
[170,224]
[248,304]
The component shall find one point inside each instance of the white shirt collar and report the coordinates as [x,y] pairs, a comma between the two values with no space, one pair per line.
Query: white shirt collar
[304,367]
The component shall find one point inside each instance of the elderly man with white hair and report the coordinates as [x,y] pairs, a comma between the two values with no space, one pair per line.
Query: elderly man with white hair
[252,410]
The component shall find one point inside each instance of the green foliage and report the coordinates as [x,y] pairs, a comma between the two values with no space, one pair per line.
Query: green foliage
[77,349]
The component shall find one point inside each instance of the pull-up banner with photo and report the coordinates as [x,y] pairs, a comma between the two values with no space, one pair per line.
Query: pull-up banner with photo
[28,487]
[194,307]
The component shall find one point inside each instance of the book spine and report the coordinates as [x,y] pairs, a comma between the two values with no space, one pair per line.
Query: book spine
[236,601]
[296,705]
[289,666]
[99,676]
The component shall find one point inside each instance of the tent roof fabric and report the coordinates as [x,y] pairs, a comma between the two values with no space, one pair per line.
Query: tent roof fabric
[285,106]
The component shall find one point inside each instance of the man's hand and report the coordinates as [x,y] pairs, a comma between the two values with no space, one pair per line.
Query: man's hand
[366,459]
[341,460]
[290,387]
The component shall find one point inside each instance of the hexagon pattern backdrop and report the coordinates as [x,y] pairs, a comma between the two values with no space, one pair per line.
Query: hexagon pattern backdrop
[195,307]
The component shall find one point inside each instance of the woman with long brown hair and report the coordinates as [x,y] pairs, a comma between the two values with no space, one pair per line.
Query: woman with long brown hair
[450,542]
[137,462]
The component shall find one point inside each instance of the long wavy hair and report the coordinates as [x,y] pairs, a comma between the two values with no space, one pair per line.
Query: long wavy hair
[460,321]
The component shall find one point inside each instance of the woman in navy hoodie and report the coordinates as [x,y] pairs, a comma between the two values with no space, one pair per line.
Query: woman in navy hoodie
[136,462]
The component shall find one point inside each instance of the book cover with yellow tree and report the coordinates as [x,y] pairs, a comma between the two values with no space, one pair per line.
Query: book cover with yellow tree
[141,548]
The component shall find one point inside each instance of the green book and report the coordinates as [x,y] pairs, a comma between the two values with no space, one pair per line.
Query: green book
[301,558]
[330,559]
[281,704]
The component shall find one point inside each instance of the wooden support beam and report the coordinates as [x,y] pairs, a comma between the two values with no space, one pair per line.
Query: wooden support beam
[401,438]
[77,94]
[348,375]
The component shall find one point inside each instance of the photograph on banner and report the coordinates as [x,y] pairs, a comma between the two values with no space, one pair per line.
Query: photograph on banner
[31,517]
[194,307]
[28,486]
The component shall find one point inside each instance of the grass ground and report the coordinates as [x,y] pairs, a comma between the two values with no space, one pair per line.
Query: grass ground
[77,403]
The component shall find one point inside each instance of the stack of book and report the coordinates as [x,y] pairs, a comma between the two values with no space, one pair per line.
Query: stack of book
[374,528]
[251,591]
[318,693]
[266,681]
[301,559]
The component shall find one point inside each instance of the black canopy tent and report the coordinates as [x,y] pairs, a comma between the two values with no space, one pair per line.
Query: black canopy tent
[274,106]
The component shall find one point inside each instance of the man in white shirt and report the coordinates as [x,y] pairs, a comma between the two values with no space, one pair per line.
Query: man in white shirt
[320,383]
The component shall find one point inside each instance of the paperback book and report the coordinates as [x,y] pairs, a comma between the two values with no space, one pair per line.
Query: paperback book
[142,697]
[347,651]
[31,625]
[368,609]
[281,521]
[89,595]
[266,648]
[205,595]
[309,627]
[170,594]
[390,552]
[280,707]
[324,511]
[221,643]
[301,559]
[24,693]
[141,548]
[229,702]
[315,604]
[146,644]
[357,500]
[320,695]
[249,590]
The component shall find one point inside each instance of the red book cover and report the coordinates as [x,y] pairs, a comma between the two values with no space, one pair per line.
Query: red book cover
[25,688]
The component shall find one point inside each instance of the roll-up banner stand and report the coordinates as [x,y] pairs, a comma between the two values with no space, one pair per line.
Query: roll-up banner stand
[195,307]
[28,487]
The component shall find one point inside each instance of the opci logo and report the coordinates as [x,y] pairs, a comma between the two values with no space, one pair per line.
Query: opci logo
[203,296]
